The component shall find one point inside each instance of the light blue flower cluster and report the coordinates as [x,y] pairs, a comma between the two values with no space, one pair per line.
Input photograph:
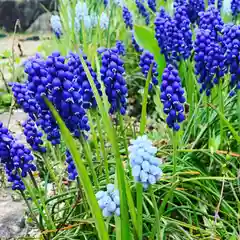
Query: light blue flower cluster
[145,166]
[82,14]
[104,21]
[56,25]
[109,201]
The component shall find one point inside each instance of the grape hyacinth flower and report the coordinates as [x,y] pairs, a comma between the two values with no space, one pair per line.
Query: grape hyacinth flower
[183,25]
[231,40]
[24,99]
[94,19]
[72,171]
[112,71]
[16,158]
[136,45]
[162,22]
[172,97]
[81,10]
[211,2]
[109,201]
[143,11]
[144,164]
[87,22]
[39,85]
[120,48]
[235,7]
[5,140]
[65,94]
[220,4]
[152,5]
[179,3]
[56,25]
[33,136]
[194,8]
[85,94]
[105,2]
[174,35]
[209,59]
[104,21]
[211,20]
[81,14]
[127,17]
[146,60]
[22,158]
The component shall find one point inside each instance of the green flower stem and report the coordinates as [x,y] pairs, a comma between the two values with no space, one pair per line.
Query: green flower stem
[33,180]
[89,158]
[123,132]
[221,105]
[109,26]
[175,146]
[104,153]
[156,212]
[139,188]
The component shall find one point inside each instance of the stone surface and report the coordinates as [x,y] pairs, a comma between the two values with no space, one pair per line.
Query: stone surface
[41,24]
[27,11]
[10,213]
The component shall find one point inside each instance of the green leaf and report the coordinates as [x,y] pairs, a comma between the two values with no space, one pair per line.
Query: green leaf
[83,174]
[145,37]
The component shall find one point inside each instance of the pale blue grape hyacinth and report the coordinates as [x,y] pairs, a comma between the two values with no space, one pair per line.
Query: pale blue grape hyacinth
[87,22]
[104,21]
[145,166]
[81,10]
[94,19]
[56,25]
[81,14]
[109,201]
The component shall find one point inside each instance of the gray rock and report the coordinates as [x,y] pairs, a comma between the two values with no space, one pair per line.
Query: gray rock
[4,232]
[15,230]
[10,213]
[27,11]
[21,222]
[41,24]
